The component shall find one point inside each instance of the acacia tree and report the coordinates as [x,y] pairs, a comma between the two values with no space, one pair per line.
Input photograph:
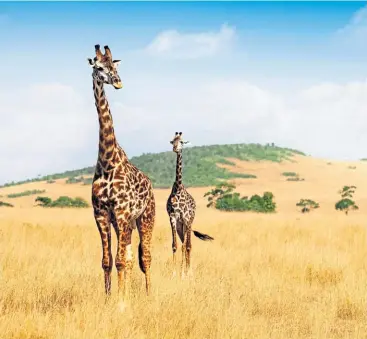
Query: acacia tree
[307,205]
[219,191]
[346,203]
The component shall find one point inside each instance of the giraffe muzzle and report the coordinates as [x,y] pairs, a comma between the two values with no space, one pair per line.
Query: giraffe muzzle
[117,84]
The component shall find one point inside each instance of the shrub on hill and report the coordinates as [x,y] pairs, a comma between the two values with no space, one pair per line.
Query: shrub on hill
[5,204]
[223,198]
[307,205]
[74,180]
[62,201]
[88,181]
[25,193]
[200,164]
[346,204]
[290,174]
[51,181]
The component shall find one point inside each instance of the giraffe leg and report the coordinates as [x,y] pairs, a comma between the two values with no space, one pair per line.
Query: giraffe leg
[145,225]
[102,218]
[123,259]
[183,270]
[188,252]
[174,242]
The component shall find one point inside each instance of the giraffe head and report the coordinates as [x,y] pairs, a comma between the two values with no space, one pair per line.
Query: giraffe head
[104,68]
[178,142]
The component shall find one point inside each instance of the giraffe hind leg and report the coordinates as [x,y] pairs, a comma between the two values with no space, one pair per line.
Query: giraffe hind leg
[180,229]
[145,225]
[124,255]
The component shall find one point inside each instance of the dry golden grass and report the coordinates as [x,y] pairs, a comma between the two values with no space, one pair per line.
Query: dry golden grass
[285,275]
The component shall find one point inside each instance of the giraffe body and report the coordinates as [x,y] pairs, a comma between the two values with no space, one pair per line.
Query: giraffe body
[122,195]
[181,209]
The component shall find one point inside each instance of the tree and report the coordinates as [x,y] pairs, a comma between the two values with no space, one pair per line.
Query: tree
[219,191]
[307,205]
[347,191]
[346,204]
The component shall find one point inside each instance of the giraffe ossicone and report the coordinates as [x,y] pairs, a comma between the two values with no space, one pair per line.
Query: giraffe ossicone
[122,195]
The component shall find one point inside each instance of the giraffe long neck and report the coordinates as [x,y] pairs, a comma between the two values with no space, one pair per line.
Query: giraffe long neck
[107,138]
[179,169]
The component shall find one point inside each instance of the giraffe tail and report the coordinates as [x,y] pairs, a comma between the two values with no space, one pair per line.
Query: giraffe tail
[203,236]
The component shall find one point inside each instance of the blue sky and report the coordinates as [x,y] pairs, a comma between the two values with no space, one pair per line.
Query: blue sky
[293,73]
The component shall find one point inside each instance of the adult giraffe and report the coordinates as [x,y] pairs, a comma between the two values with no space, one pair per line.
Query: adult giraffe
[122,195]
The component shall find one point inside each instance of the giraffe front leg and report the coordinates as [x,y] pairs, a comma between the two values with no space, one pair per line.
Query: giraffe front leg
[104,228]
[174,242]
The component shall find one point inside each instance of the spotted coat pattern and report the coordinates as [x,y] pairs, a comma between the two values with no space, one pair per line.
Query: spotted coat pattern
[181,209]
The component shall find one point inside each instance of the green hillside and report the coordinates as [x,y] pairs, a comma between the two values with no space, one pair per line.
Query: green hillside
[199,162]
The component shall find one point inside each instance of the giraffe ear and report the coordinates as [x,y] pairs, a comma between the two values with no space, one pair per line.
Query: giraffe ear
[171,142]
[90,62]
[116,62]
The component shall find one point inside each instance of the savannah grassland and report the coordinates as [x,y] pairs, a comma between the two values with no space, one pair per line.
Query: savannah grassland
[285,275]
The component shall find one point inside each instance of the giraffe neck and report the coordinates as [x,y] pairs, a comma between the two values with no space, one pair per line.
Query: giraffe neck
[107,138]
[179,169]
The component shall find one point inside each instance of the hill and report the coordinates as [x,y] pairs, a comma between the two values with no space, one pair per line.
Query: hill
[200,164]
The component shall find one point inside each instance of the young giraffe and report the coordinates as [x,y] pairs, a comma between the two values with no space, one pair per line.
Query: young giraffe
[122,195]
[181,209]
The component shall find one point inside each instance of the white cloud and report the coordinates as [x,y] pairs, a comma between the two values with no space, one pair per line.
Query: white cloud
[43,127]
[355,32]
[50,127]
[325,120]
[178,45]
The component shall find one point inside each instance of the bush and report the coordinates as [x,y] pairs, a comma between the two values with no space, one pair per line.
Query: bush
[5,204]
[62,201]
[233,202]
[307,205]
[25,193]
[290,174]
[51,181]
[88,181]
[74,180]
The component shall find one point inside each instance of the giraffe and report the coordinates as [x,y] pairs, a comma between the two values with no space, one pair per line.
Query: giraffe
[122,195]
[181,208]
